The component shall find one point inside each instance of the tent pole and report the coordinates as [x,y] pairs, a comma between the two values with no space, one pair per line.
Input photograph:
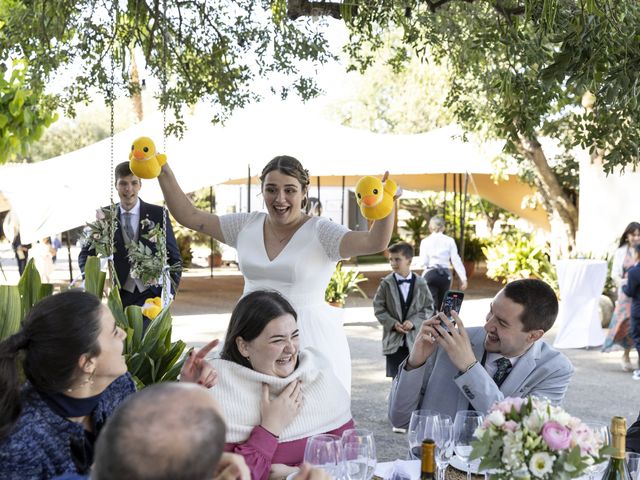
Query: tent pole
[464,213]
[248,188]
[318,177]
[461,220]
[455,198]
[211,200]
[68,241]
[444,202]
[342,206]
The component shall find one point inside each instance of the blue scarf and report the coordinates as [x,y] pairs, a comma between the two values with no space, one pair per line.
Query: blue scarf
[69,407]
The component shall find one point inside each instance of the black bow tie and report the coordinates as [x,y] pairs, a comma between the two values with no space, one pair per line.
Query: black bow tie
[404,280]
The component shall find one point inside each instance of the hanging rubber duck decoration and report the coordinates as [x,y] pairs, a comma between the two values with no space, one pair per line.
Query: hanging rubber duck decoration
[152,307]
[375,198]
[144,161]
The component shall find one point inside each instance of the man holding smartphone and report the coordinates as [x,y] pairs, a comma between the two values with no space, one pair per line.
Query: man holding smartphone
[455,369]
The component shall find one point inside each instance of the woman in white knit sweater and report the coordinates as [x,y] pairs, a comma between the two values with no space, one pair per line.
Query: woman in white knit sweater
[275,397]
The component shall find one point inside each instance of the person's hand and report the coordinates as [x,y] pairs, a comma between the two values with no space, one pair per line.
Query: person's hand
[197,370]
[463,285]
[407,326]
[455,342]
[232,467]
[309,473]
[424,344]
[280,471]
[398,327]
[276,414]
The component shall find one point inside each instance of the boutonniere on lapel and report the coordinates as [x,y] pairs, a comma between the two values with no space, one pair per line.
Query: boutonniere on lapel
[147,224]
[148,265]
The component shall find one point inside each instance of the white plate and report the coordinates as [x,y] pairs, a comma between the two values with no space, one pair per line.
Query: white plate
[457,463]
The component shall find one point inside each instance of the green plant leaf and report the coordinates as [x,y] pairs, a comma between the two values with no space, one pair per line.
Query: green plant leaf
[10,310]
[94,278]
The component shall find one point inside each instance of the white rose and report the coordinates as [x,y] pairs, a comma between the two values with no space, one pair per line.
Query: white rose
[496,418]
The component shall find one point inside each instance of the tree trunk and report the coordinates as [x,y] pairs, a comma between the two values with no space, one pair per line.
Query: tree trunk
[563,214]
[136,98]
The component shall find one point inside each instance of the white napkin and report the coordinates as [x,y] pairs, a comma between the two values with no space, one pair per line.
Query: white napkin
[400,468]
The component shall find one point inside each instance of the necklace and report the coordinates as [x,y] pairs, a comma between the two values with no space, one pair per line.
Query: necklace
[287,236]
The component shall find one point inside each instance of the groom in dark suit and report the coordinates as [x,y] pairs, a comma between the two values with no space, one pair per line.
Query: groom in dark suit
[130,213]
[471,368]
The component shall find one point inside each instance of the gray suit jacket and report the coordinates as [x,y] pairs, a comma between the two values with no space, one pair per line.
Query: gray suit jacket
[541,371]
[387,308]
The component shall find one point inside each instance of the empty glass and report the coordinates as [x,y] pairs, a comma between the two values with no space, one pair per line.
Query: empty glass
[359,453]
[325,452]
[422,425]
[464,428]
[633,464]
[601,431]
[444,444]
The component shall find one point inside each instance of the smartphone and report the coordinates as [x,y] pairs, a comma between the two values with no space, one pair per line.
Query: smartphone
[452,301]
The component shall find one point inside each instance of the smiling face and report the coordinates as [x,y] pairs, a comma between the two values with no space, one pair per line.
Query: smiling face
[128,188]
[633,238]
[275,351]
[504,329]
[283,197]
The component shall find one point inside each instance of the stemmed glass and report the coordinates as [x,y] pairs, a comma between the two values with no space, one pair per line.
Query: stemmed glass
[325,452]
[422,425]
[444,444]
[464,428]
[601,431]
[359,451]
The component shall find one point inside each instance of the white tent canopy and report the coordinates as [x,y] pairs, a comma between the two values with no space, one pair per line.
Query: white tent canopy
[62,193]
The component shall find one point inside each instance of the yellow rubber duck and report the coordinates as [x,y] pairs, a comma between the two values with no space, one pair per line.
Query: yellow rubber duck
[143,159]
[374,198]
[152,307]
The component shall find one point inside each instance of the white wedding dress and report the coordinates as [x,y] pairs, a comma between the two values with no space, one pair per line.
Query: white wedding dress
[300,272]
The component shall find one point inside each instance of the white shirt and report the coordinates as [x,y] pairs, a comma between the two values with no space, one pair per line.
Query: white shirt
[437,250]
[134,216]
[490,362]
[404,287]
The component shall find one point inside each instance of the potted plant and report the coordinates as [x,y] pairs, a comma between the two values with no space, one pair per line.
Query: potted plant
[473,254]
[215,257]
[341,284]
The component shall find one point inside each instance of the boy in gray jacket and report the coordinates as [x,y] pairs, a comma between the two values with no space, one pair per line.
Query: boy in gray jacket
[401,303]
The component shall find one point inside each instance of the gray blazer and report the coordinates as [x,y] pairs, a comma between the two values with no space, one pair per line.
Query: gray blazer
[541,371]
[387,308]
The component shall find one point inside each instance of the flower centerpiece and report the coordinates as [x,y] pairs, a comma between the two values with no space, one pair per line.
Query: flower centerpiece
[147,266]
[531,438]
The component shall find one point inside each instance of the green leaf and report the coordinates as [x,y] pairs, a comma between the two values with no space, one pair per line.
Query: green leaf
[10,310]
[94,278]
[29,286]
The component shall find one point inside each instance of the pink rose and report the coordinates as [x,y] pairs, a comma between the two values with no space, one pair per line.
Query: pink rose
[510,426]
[509,403]
[556,436]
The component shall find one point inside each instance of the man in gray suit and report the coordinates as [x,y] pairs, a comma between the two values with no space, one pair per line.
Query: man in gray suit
[472,368]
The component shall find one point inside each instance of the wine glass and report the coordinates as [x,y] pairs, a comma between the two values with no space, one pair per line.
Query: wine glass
[359,451]
[601,431]
[633,464]
[464,428]
[325,452]
[444,444]
[422,425]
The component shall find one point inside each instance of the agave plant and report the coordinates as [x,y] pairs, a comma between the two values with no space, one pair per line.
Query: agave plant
[150,355]
[17,300]
[342,283]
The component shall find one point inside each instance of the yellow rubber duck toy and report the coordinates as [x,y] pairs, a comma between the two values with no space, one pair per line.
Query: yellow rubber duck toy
[144,161]
[152,307]
[374,198]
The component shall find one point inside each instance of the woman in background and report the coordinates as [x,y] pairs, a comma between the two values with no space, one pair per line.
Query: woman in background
[623,260]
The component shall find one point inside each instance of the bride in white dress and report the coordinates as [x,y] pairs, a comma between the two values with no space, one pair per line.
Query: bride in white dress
[288,251]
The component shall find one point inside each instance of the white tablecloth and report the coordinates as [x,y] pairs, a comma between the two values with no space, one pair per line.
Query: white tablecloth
[581,283]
